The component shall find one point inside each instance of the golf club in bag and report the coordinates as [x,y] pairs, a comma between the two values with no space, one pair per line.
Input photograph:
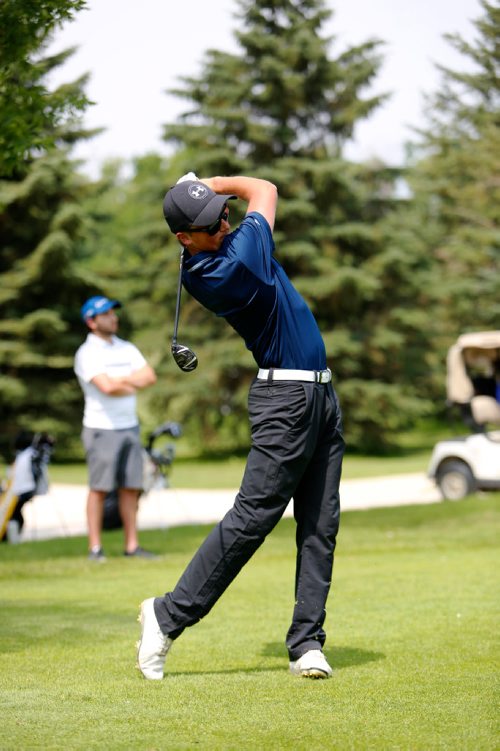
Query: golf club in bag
[183,356]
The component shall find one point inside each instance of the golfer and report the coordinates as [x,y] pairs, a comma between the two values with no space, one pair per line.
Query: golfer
[297,442]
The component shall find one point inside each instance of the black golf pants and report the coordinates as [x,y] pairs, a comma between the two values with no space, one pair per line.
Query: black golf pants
[297,449]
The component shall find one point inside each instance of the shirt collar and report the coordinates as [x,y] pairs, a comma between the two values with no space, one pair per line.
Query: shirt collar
[98,341]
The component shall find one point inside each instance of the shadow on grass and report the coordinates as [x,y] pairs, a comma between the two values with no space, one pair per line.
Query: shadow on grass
[228,671]
[338,657]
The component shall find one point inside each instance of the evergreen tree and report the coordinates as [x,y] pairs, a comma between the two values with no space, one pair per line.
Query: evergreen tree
[454,210]
[41,227]
[283,109]
[125,248]
[460,174]
[380,274]
[41,231]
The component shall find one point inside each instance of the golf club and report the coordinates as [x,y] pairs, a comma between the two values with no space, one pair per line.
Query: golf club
[183,356]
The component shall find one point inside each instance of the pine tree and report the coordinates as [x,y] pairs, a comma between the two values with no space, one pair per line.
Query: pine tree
[453,215]
[283,109]
[460,176]
[41,227]
[41,231]
[125,247]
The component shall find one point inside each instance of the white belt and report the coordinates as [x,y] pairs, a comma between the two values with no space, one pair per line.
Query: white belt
[283,374]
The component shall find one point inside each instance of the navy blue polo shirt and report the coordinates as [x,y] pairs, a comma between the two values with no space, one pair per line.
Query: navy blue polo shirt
[243,283]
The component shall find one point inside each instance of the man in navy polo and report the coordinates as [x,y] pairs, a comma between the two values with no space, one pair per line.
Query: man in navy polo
[296,425]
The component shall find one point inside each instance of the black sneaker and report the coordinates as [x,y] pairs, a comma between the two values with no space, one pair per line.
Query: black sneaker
[97,554]
[140,553]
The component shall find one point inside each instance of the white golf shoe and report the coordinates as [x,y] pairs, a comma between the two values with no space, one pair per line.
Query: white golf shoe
[312,664]
[153,645]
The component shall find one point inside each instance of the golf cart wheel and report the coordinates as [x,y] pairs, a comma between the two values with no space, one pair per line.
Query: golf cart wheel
[455,480]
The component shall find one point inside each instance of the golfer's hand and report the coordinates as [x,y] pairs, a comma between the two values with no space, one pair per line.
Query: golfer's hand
[187,176]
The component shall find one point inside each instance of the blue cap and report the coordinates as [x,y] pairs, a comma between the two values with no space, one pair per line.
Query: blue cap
[97,305]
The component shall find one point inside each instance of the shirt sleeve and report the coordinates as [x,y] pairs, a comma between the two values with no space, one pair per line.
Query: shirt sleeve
[252,244]
[88,364]
[137,359]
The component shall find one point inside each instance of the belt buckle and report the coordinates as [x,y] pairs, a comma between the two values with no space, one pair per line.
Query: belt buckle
[324,376]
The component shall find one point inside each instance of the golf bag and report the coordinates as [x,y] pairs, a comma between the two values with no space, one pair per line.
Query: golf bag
[157,462]
[28,477]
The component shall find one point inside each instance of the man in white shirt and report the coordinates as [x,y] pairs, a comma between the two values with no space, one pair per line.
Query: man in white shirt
[110,371]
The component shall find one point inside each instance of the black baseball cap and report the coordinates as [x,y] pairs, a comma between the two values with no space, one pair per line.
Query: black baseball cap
[192,204]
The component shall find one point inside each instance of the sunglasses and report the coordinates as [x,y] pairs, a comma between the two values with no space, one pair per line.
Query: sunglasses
[212,229]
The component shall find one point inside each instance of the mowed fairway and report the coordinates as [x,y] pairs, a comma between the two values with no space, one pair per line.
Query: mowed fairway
[412,635]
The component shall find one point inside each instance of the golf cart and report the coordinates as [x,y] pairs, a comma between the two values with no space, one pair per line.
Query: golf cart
[157,462]
[463,465]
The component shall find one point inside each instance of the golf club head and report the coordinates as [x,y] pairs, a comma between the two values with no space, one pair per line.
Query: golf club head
[184,357]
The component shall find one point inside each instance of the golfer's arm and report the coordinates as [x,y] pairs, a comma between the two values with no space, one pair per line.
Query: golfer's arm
[261,195]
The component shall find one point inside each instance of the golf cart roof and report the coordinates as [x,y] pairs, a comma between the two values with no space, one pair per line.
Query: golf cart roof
[472,364]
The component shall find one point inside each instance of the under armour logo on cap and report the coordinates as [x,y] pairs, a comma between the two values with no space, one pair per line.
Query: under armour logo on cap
[191,203]
[198,191]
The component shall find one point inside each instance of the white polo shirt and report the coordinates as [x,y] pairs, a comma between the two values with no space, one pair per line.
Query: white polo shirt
[116,358]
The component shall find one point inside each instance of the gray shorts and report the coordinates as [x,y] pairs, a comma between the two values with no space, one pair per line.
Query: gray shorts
[114,458]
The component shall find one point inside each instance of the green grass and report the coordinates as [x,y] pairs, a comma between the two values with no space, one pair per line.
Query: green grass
[412,455]
[412,623]
[227,473]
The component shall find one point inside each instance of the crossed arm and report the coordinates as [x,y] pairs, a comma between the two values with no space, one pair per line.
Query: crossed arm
[125,385]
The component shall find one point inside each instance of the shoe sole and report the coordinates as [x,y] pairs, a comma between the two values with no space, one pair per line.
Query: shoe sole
[314,673]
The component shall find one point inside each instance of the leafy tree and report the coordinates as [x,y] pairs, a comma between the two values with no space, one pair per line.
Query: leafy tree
[32,118]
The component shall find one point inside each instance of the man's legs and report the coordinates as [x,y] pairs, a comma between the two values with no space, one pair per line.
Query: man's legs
[95,511]
[220,558]
[99,452]
[214,566]
[128,499]
[317,512]
[130,476]
[288,421]
[114,458]
[279,454]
